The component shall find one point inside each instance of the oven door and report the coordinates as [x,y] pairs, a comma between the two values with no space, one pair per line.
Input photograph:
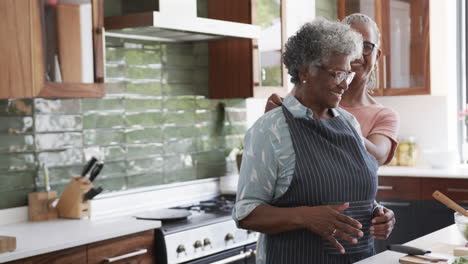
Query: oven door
[240,255]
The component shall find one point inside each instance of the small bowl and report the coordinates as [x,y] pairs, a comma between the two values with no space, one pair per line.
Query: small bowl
[462,223]
[441,159]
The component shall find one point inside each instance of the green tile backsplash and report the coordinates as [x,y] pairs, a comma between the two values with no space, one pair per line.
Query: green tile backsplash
[155,126]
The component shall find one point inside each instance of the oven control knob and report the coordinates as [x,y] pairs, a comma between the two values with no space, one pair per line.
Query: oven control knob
[229,237]
[180,249]
[206,242]
[198,244]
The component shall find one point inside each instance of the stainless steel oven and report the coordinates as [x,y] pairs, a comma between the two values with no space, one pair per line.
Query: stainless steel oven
[209,235]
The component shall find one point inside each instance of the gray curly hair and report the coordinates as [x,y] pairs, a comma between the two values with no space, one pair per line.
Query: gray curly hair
[364,19]
[315,42]
[356,18]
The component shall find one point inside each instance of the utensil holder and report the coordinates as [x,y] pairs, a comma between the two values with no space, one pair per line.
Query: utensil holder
[71,203]
[40,206]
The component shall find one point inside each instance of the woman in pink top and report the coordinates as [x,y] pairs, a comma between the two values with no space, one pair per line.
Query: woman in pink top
[379,124]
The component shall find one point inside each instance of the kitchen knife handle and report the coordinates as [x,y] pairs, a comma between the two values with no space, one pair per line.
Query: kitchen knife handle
[96,170]
[91,194]
[407,249]
[88,166]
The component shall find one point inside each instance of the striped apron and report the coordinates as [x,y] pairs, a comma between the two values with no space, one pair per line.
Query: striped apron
[332,167]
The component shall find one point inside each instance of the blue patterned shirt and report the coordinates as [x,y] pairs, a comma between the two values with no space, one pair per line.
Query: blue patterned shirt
[268,161]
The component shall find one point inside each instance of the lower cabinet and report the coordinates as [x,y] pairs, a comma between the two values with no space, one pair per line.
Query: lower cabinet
[137,248]
[132,249]
[406,227]
[76,255]
[435,216]
[416,212]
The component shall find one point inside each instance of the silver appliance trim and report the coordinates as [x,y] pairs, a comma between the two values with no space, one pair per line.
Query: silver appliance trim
[206,240]
[177,21]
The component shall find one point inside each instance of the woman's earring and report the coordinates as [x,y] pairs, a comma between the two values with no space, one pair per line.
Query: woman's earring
[304,81]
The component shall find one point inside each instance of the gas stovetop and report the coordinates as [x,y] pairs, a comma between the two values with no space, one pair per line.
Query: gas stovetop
[203,213]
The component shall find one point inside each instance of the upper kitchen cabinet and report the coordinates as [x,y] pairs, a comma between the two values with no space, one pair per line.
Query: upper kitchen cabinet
[404,67]
[27,51]
[249,68]
[226,25]
[270,75]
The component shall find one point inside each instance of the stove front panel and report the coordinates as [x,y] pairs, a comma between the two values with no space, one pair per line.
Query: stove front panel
[206,240]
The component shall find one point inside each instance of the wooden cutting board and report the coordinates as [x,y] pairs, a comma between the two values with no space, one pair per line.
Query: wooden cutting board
[437,248]
[7,243]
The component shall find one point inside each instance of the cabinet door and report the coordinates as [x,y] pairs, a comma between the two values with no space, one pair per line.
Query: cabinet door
[270,75]
[455,189]
[404,24]
[75,255]
[242,68]
[435,216]
[231,61]
[390,187]
[406,228]
[23,53]
[132,249]
[21,60]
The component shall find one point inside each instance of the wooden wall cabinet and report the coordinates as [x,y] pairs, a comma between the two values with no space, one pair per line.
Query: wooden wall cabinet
[130,249]
[22,53]
[404,67]
[234,65]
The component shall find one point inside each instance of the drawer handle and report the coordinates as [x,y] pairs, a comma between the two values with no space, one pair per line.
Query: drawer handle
[401,204]
[384,188]
[129,255]
[456,190]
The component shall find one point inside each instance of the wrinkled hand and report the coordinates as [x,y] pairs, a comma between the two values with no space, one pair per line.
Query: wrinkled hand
[273,101]
[382,223]
[329,222]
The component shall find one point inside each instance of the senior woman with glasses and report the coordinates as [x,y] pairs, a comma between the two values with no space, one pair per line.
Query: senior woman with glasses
[379,124]
[307,182]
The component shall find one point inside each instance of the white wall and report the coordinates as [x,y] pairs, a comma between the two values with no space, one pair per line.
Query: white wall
[432,119]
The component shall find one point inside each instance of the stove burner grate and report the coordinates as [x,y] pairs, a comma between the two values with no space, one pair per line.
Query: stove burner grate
[221,204]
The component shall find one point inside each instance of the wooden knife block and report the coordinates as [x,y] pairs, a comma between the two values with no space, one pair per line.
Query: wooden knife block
[7,243]
[40,206]
[71,203]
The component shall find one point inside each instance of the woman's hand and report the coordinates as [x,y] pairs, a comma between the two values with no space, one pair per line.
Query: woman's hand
[329,222]
[382,223]
[273,101]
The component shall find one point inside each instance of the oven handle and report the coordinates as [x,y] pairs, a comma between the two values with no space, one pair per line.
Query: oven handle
[242,255]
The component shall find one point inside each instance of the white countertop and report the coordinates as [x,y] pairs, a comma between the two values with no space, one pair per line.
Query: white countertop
[35,238]
[460,172]
[449,235]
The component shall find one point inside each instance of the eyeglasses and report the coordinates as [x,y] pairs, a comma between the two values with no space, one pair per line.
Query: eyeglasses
[340,76]
[367,47]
